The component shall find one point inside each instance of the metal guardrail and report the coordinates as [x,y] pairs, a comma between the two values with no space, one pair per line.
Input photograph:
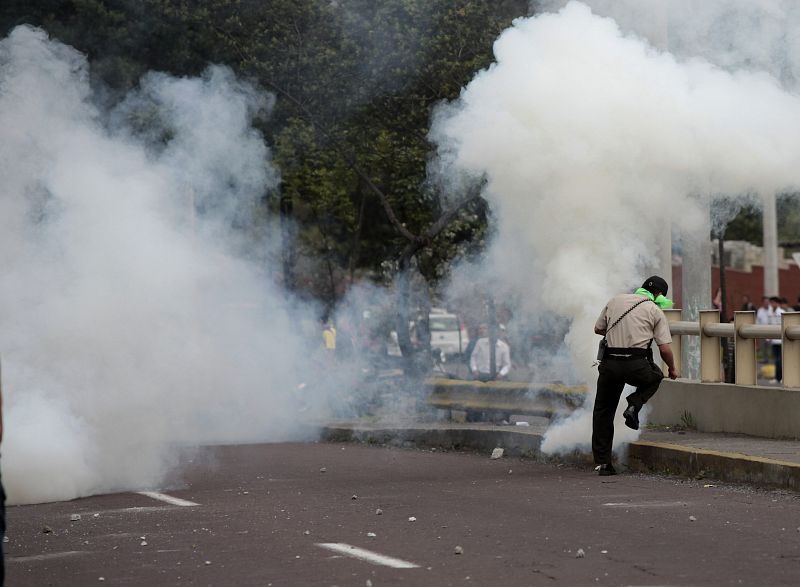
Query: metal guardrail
[745,332]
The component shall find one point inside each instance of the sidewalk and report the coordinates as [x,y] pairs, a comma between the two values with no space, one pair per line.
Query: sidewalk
[722,457]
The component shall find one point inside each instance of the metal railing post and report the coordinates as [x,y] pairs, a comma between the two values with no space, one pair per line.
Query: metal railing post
[710,357]
[791,350]
[745,350]
[674,315]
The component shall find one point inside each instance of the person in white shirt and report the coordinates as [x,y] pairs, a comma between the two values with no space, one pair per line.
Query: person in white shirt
[762,317]
[776,343]
[480,359]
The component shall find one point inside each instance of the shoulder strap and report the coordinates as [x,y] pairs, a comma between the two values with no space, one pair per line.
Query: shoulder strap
[625,314]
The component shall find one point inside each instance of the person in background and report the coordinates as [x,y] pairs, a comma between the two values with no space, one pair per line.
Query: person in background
[717,301]
[763,317]
[328,336]
[747,305]
[480,360]
[629,323]
[776,344]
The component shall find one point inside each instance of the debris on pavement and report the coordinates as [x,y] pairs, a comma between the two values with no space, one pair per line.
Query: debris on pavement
[412,519]
[322,470]
[75,518]
[371,534]
[379,512]
[497,453]
[307,533]
[354,496]
[143,543]
[580,553]
[692,519]
[47,530]
[458,550]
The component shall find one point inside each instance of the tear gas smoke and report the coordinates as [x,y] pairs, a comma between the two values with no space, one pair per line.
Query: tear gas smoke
[130,322]
[591,140]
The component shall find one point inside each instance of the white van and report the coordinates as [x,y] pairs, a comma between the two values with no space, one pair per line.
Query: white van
[447,333]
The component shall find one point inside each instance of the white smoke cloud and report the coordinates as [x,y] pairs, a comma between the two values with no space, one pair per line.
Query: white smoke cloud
[130,322]
[591,140]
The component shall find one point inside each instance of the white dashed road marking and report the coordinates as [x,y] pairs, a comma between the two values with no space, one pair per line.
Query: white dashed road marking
[45,557]
[647,504]
[367,555]
[168,498]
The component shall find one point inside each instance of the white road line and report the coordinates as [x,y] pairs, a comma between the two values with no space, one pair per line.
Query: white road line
[167,498]
[647,504]
[367,555]
[45,557]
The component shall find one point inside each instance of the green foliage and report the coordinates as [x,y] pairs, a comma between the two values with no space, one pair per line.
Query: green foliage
[356,83]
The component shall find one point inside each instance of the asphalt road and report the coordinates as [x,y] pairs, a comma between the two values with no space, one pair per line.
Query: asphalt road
[263,511]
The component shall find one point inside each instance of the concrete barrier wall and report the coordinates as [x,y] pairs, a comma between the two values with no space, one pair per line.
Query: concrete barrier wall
[769,412]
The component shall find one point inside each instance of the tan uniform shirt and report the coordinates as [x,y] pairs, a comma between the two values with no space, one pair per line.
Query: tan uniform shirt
[645,322]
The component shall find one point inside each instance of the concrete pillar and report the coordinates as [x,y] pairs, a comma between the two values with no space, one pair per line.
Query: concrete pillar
[770,228]
[696,291]
[746,365]
[710,357]
[791,351]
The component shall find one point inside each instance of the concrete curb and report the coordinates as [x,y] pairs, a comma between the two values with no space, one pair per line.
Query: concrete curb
[661,457]
[643,456]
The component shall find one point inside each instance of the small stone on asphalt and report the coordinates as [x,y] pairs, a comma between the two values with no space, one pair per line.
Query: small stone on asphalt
[458,550]
[74,517]
[497,453]
[307,532]
[692,519]
[47,530]
[379,512]
[580,553]
[371,534]
[412,519]
[143,543]
[323,470]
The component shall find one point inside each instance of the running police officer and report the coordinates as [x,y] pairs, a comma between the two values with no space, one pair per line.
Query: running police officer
[629,324]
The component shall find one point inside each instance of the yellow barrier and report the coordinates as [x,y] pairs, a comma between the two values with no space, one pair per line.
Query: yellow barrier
[505,397]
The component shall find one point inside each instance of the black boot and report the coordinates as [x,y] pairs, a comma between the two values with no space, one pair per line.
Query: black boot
[605,470]
[631,415]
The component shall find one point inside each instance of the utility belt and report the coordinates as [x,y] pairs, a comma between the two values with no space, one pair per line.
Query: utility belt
[626,354]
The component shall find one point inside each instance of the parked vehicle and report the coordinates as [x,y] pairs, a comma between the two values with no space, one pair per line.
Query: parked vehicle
[448,334]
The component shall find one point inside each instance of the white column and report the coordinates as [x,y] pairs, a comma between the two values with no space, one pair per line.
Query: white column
[696,291]
[770,227]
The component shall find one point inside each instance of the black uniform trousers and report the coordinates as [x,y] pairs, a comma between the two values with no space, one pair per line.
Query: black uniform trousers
[640,372]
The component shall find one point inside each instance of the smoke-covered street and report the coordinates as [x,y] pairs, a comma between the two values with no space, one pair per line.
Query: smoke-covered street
[516,522]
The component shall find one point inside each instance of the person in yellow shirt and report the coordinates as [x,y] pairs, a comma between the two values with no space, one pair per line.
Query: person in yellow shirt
[328,336]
